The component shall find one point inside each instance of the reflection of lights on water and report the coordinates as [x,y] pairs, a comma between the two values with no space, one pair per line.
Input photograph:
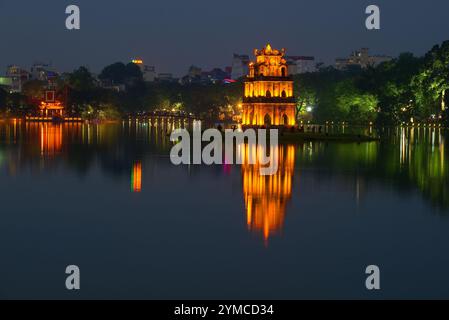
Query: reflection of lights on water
[50,138]
[136,177]
[266,197]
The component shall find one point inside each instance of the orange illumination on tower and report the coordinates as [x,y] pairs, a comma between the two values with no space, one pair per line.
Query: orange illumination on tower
[268,98]
[266,197]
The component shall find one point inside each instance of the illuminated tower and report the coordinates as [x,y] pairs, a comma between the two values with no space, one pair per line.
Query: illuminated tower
[268,99]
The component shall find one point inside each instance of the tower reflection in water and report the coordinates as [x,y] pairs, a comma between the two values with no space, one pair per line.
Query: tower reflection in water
[266,197]
[136,177]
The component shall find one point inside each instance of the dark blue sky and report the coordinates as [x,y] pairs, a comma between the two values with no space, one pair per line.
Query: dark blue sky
[173,34]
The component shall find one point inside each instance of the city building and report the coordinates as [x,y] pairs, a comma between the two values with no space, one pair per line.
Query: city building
[196,75]
[194,72]
[300,64]
[268,97]
[43,72]
[192,76]
[362,59]
[17,76]
[239,66]
[166,77]
[216,75]
[148,72]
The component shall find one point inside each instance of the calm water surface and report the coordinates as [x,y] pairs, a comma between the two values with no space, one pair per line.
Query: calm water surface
[108,199]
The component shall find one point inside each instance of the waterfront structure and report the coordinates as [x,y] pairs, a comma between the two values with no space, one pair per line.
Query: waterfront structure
[361,58]
[51,107]
[268,98]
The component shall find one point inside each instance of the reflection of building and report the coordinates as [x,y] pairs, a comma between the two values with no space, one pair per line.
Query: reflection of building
[50,138]
[269,98]
[266,197]
[136,177]
[360,59]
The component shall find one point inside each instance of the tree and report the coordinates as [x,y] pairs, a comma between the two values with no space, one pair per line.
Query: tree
[82,80]
[432,82]
[3,95]
[119,73]
[34,89]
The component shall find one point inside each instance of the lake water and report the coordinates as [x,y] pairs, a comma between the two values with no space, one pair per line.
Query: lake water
[107,199]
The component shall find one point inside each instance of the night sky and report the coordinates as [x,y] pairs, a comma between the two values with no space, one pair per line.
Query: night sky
[174,34]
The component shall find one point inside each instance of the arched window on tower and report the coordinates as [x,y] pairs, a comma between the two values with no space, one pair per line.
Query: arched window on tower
[283,73]
[283,94]
[268,94]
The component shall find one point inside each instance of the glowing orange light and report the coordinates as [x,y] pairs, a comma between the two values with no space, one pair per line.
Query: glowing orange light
[50,139]
[268,92]
[136,177]
[266,197]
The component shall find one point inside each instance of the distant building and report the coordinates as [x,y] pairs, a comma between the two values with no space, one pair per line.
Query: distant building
[195,75]
[216,75]
[43,72]
[301,64]
[192,76]
[194,72]
[239,66]
[166,77]
[110,85]
[17,76]
[362,59]
[148,72]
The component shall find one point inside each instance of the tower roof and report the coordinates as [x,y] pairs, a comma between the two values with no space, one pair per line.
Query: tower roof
[269,51]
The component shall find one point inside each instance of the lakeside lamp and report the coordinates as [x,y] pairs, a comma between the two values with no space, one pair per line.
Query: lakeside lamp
[309,109]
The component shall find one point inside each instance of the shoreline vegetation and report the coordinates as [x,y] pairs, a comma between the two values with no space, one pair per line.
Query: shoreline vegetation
[408,90]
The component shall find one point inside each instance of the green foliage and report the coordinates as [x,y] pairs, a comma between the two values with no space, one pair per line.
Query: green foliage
[82,80]
[394,91]
[34,89]
[119,73]
[432,81]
